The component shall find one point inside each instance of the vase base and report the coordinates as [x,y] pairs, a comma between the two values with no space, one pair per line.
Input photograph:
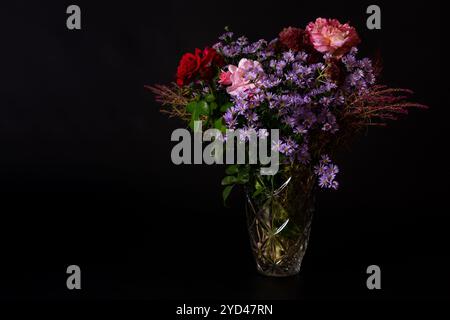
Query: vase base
[277,273]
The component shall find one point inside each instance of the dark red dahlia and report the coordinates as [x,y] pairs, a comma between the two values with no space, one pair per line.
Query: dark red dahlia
[210,61]
[203,64]
[292,38]
[188,68]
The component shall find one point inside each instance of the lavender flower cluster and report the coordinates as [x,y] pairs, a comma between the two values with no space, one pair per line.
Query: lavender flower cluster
[326,171]
[360,72]
[237,48]
[294,92]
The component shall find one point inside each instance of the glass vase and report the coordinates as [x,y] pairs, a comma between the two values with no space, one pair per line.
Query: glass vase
[279,219]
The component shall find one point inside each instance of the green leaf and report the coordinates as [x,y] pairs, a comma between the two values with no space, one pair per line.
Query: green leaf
[210,98]
[196,113]
[226,193]
[198,109]
[243,175]
[191,106]
[225,106]
[191,124]
[218,124]
[232,169]
[258,189]
[229,180]
[213,106]
[202,107]
[195,116]
[242,179]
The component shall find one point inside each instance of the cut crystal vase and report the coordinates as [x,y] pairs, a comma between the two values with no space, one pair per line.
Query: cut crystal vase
[279,223]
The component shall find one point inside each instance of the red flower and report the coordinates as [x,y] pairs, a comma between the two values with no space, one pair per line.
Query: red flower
[202,64]
[292,38]
[210,60]
[188,68]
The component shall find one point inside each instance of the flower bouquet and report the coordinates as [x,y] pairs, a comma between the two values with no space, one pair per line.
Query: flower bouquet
[306,93]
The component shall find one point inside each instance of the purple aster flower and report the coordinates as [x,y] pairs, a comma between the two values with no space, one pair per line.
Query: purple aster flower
[301,56]
[290,121]
[300,129]
[226,36]
[325,159]
[242,41]
[326,173]
[263,133]
[291,76]
[303,154]
[247,133]
[252,117]
[280,65]
[288,56]
[276,145]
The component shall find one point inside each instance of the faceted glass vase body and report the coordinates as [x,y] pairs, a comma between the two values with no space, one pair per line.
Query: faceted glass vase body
[279,224]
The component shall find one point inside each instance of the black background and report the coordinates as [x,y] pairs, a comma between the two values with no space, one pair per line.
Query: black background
[86,176]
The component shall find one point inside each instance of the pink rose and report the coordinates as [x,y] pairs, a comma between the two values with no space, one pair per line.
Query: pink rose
[330,36]
[224,78]
[246,76]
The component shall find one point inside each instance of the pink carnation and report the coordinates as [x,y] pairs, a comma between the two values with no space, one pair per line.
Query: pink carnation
[240,81]
[330,36]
